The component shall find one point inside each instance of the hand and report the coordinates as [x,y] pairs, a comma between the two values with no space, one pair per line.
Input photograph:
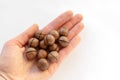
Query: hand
[13,62]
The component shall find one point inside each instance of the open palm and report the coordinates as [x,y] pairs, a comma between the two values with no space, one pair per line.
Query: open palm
[13,62]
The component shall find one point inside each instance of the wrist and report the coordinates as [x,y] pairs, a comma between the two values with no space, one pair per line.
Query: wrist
[4,77]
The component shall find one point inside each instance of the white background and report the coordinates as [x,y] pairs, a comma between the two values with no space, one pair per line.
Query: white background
[97,57]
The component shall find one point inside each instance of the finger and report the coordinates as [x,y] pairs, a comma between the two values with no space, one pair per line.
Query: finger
[59,21]
[22,39]
[75,30]
[77,18]
[64,53]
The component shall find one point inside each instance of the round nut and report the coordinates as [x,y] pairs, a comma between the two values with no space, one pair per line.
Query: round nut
[55,34]
[42,54]
[31,53]
[53,47]
[40,34]
[63,31]
[33,42]
[43,45]
[49,39]
[43,64]
[63,41]
[53,56]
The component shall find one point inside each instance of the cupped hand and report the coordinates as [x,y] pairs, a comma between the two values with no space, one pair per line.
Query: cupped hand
[13,62]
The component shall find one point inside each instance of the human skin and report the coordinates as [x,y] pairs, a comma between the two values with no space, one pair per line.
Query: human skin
[13,62]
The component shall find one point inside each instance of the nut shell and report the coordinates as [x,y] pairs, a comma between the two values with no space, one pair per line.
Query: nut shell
[63,41]
[43,64]
[31,53]
[33,42]
[49,39]
[40,35]
[55,34]
[63,31]
[53,47]
[43,45]
[42,54]
[53,56]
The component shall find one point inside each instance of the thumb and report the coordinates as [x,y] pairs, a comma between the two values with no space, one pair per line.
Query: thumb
[22,39]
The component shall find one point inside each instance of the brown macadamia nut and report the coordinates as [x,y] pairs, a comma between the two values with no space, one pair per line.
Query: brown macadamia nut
[33,42]
[53,56]
[43,45]
[42,54]
[40,35]
[31,53]
[49,39]
[63,31]
[55,34]
[63,41]
[43,64]
[53,47]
